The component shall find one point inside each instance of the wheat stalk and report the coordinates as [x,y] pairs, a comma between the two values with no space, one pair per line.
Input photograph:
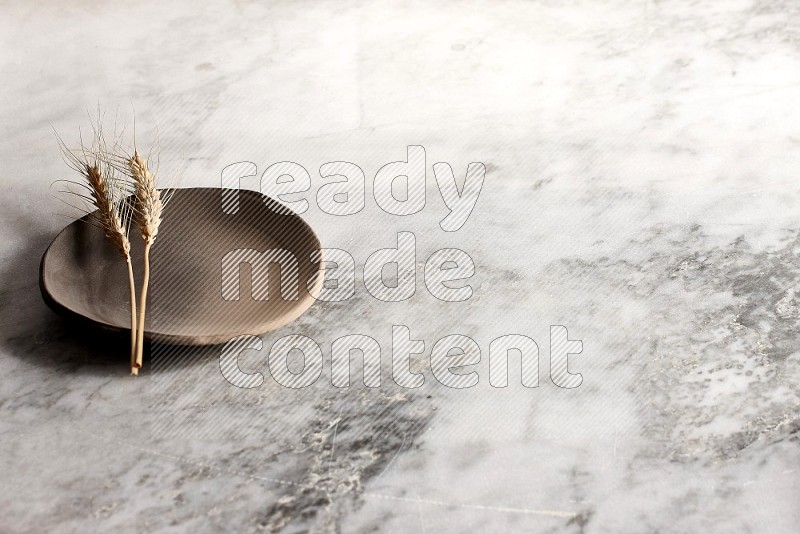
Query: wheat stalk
[101,189]
[109,214]
[117,203]
[149,208]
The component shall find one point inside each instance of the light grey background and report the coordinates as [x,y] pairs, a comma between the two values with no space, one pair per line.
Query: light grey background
[641,189]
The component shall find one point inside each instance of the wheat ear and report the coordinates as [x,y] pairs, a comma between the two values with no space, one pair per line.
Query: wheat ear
[149,207]
[108,196]
[111,213]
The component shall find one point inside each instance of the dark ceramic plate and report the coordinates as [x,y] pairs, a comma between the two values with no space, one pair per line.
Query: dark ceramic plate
[83,277]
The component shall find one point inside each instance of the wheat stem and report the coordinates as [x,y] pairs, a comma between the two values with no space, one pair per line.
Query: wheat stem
[103,190]
[149,206]
[142,307]
[134,331]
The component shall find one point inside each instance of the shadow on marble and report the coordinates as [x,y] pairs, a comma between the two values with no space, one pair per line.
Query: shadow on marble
[35,334]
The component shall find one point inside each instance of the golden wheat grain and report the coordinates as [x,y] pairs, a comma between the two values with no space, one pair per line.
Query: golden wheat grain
[108,213]
[149,205]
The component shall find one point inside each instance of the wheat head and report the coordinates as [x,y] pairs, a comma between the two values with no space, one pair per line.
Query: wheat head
[100,192]
[109,211]
[149,205]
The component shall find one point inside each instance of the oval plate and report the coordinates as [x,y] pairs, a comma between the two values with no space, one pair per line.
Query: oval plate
[84,278]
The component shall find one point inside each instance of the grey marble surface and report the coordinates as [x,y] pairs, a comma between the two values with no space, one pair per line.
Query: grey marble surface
[641,189]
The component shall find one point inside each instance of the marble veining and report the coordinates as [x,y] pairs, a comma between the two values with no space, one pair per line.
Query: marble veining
[641,189]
